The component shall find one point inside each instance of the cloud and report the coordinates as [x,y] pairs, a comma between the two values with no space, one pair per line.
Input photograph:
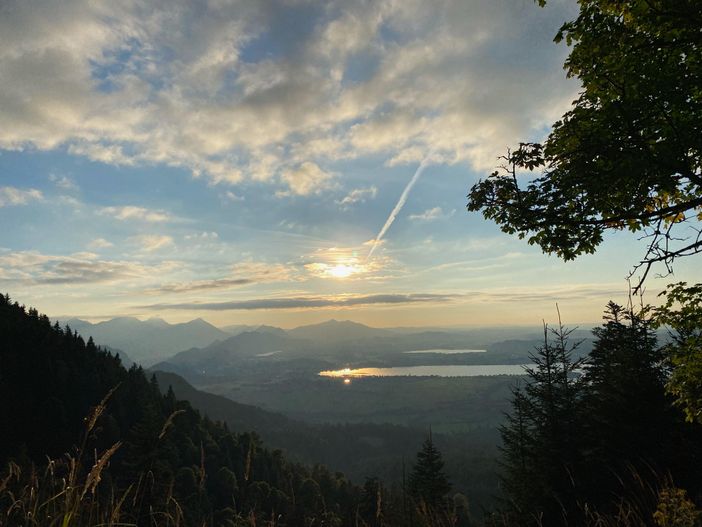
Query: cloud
[234,91]
[18,196]
[242,273]
[310,302]
[100,243]
[306,179]
[230,196]
[347,263]
[203,236]
[130,212]
[154,242]
[357,195]
[63,182]
[430,215]
[580,292]
[202,285]
[34,268]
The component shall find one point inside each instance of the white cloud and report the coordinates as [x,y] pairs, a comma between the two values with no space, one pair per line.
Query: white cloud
[100,243]
[258,271]
[203,236]
[167,84]
[63,182]
[130,212]
[306,179]
[241,274]
[34,268]
[18,196]
[357,195]
[429,215]
[230,196]
[154,242]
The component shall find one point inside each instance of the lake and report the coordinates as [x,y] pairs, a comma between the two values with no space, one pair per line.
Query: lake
[446,352]
[459,370]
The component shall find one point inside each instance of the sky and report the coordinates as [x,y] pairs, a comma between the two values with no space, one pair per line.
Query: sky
[282,162]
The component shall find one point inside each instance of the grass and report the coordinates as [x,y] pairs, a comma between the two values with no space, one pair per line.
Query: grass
[68,491]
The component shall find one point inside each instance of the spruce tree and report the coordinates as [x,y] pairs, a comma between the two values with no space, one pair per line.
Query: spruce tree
[625,384]
[629,425]
[540,438]
[427,482]
[517,462]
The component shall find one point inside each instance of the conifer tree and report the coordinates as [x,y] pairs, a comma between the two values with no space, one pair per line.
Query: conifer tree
[371,504]
[171,463]
[427,482]
[624,381]
[517,461]
[540,439]
[628,423]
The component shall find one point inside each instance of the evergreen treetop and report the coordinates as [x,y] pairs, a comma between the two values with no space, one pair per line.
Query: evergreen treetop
[427,481]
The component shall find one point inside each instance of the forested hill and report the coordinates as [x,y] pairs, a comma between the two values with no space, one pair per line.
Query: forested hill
[167,460]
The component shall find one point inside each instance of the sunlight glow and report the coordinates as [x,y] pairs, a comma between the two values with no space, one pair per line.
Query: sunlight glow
[345,268]
[342,270]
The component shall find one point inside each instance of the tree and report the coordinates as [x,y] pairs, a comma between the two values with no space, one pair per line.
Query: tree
[628,154]
[682,314]
[174,465]
[624,377]
[592,441]
[517,462]
[630,429]
[371,503]
[427,481]
[540,440]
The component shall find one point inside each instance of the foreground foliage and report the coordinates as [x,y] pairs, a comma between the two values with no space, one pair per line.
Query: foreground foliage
[628,154]
[91,443]
[608,447]
[140,457]
[682,315]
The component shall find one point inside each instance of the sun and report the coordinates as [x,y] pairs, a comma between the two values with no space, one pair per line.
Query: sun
[342,270]
[338,268]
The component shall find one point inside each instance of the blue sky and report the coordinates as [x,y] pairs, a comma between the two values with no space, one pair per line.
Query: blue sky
[235,161]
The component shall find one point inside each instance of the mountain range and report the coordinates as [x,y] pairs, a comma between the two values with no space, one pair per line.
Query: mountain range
[199,344]
[148,341]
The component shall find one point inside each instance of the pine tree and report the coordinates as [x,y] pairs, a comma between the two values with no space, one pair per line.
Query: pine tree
[427,482]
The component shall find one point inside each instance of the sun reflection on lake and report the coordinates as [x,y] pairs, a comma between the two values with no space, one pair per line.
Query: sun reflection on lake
[347,373]
[458,370]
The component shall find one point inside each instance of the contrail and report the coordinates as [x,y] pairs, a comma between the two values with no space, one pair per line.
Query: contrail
[400,204]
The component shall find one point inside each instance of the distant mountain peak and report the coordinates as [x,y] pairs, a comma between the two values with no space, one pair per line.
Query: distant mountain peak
[198,322]
[120,320]
[75,322]
[337,330]
[148,341]
[264,328]
[338,323]
[156,321]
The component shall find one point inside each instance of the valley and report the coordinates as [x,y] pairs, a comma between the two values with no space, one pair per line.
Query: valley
[457,382]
